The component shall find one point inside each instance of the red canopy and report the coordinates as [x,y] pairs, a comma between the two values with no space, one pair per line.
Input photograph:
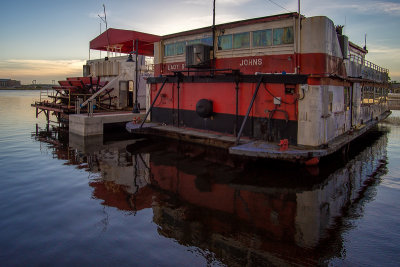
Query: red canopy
[122,41]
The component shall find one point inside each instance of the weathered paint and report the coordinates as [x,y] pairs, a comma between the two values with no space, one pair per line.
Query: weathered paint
[328,106]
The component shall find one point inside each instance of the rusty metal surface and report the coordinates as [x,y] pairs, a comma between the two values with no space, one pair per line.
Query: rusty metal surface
[264,149]
[253,148]
[133,127]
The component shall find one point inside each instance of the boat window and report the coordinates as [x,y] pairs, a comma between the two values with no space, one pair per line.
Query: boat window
[262,38]
[207,41]
[368,95]
[241,40]
[195,41]
[180,48]
[278,34]
[346,92]
[283,36]
[288,36]
[225,42]
[169,50]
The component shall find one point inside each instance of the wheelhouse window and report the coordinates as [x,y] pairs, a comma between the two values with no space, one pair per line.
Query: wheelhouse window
[180,48]
[262,38]
[283,36]
[207,41]
[195,41]
[241,40]
[225,42]
[169,50]
[288,35]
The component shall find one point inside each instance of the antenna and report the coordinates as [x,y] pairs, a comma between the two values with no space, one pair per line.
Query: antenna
[365,42]
[213,36]
[298,6]
[105,21]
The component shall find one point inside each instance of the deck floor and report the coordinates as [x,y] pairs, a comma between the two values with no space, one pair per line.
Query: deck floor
[253,148]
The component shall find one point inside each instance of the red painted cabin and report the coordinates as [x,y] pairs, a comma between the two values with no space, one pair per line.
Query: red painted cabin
[304,80]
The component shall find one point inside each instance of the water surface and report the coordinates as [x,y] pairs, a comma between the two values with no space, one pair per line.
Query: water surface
[67,201]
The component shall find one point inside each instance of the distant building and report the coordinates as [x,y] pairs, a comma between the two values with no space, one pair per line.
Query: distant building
[395,87]
[6,83]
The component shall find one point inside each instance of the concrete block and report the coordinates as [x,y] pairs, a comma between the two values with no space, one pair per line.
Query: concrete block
[82,124]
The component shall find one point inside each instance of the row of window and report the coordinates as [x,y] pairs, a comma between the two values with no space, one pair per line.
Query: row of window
[179,47]
[262,38]
[371,94]
[269,37]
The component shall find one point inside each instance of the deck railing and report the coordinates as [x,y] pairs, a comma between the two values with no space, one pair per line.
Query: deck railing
[359,60]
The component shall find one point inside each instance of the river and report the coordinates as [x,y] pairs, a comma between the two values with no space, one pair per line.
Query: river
[138,202]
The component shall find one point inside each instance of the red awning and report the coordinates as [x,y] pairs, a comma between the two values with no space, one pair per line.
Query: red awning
[121,41]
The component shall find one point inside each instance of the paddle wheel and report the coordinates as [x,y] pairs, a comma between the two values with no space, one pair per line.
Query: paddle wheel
[73,91]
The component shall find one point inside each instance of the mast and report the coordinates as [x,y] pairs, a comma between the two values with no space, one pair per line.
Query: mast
[298,39]
[213,36]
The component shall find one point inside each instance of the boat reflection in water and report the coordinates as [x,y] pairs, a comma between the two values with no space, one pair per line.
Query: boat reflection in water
[259,213]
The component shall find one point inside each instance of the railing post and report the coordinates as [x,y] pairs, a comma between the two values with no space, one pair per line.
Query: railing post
[91,103]
[78,103]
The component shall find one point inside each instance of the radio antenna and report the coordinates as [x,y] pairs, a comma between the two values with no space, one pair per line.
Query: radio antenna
[365,42]
[213,36]
[105,22]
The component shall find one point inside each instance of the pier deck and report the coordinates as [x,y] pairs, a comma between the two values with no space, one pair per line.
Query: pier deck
[84,125]
[254,148]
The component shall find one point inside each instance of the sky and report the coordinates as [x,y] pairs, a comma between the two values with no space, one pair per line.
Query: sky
[46,40]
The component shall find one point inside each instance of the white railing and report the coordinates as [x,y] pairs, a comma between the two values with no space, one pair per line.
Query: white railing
[360,60]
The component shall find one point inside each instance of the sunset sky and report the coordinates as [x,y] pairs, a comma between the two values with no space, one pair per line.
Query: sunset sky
[47,40]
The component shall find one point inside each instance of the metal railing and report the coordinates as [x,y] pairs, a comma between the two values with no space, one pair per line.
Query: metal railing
[45,93]
[360,60]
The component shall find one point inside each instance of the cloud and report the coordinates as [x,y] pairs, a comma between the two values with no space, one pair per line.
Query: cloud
[181,23]
[219,2]
[361,7]
[384,50]
[41,70]
[383,55]
[389,8]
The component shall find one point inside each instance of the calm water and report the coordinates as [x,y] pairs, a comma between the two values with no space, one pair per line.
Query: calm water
[67,201]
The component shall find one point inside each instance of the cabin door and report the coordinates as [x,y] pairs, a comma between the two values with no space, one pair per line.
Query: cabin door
[351,105]
[131,94]
[123,92]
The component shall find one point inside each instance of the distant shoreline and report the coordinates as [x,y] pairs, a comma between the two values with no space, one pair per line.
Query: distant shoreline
[22,88]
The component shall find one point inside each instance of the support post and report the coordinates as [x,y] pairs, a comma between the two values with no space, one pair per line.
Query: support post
[237,110]
[179,75]
[249,109]
[178,87]
[237,80]
[136,107]
[152,104]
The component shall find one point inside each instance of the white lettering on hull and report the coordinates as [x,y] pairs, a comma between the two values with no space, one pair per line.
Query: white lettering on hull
[251,62]
[175,67]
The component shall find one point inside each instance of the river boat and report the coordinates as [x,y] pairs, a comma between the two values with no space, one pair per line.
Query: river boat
[286,87]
